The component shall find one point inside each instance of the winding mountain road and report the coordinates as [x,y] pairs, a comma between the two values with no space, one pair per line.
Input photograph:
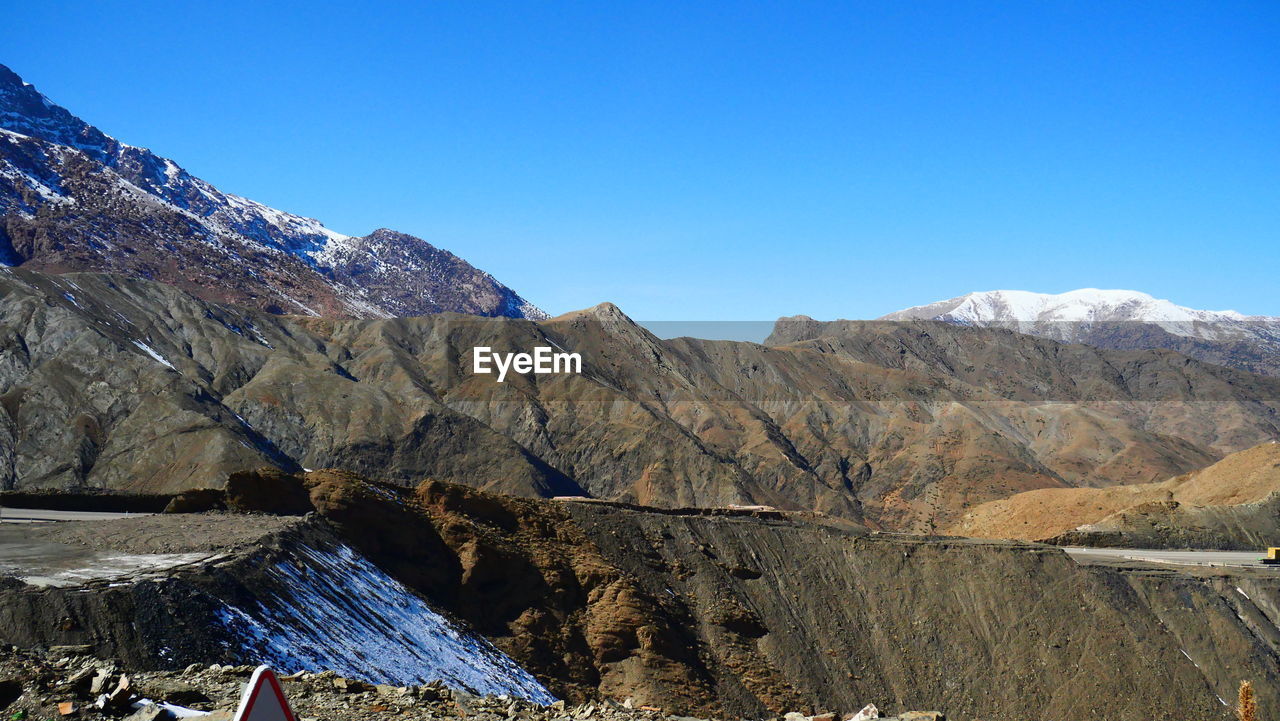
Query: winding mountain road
[1234,559]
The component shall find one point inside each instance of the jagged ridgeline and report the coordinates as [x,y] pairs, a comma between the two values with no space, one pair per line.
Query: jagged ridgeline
[73,198]
[111,382]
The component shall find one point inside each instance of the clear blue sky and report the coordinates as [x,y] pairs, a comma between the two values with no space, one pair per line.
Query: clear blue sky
[723,161]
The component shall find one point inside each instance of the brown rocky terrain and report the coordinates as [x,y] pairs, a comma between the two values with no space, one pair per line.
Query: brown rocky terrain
[63,678]
[743,613]
[1170,524]
[1225,503]
[111,382]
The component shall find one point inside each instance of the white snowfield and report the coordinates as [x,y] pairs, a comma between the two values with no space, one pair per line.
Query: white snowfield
[344,614]
[1040,311]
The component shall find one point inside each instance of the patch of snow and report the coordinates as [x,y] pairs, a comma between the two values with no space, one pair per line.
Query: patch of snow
[308,309]
[111,566]
[171,170]
[339,612]
[16,135]
[151,352]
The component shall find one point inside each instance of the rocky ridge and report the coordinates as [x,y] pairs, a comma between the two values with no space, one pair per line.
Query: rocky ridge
[73,198]
[116,383]
[1118,320]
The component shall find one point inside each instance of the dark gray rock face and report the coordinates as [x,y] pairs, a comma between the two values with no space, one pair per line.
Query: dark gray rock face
[75,199]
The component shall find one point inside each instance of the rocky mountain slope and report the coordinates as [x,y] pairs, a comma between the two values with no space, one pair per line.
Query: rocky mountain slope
[170,592]
[75,199]
[109,382]
[728,613]
[1229,504]
[1117,319]
[1170,524]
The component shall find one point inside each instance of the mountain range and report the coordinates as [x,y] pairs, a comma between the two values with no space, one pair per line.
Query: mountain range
[1117,319]
[73,198]
[118,383]
[212,334]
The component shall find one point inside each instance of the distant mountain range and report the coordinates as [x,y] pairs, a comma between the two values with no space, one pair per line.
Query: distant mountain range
[1120,320]
[73,198]
[112,382]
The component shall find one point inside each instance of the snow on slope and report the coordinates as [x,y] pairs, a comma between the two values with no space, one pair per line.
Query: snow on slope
[337,611]
[42,142]
[1065,316]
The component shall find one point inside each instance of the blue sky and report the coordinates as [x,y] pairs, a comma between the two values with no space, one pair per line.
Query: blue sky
[723,161]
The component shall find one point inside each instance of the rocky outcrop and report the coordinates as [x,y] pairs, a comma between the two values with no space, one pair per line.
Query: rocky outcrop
[49,683]
[291,595]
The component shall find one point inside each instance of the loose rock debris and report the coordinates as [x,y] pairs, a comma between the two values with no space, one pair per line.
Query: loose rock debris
[67,683]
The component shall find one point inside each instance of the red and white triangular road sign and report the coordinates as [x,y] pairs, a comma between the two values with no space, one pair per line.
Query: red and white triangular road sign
[263,700]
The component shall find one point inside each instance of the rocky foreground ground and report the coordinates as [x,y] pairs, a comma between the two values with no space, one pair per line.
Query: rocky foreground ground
[68,683]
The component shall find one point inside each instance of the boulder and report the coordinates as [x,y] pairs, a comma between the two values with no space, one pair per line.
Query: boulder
[197,500]
[149,712]
[268,491]
[173,691]
[351,685]
[98,684]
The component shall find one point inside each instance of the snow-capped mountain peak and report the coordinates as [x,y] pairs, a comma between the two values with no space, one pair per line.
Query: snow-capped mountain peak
[1077,306]
[75,198]
[1120,319]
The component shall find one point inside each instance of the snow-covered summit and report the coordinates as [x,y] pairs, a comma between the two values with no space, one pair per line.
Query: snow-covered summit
[76,198]
[1098,317]
[1084,305]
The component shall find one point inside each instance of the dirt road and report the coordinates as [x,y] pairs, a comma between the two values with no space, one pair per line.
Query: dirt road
[40,515]
[1235,559]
